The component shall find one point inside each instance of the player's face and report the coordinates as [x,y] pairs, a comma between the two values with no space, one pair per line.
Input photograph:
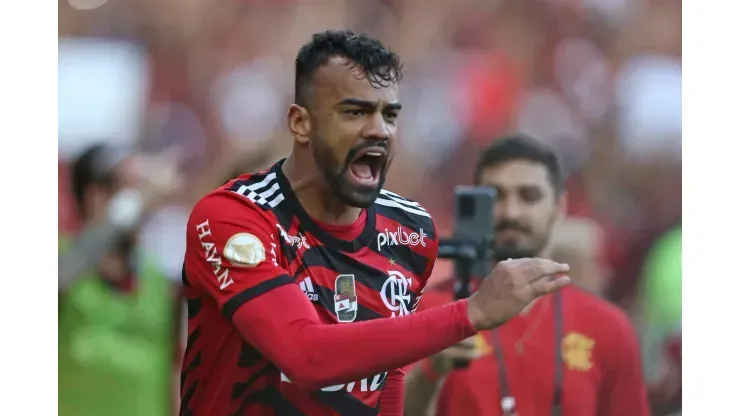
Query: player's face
[526,207]
[353,132]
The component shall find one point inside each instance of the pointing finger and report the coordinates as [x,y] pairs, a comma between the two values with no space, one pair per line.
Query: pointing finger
[550,285]
[539,268]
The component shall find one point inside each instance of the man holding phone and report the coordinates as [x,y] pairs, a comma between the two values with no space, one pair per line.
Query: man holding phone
[568,353]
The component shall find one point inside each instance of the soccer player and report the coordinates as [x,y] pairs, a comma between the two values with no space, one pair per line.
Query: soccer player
[568,353]
[290,272]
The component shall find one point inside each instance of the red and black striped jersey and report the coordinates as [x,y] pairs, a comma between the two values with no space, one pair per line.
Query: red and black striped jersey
[251,236]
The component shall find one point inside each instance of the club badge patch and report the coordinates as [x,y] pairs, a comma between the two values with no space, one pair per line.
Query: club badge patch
[244,249]
[345,298]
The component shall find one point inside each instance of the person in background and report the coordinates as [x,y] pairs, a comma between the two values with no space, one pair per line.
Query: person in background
[661,314]
[118,314]
[114,189]
[579,243]
[569,353]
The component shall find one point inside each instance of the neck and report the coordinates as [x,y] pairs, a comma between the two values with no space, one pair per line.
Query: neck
[309,186]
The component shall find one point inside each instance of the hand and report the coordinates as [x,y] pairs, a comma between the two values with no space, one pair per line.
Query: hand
[444,362]
[156,176]
[511,286]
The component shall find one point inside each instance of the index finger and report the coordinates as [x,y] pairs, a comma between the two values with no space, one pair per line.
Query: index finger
[539,268]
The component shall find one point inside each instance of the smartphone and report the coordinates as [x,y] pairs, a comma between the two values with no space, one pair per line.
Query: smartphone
[474,222]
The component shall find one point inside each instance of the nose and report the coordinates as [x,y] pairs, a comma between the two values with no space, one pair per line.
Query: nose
[376,128]
[508,209]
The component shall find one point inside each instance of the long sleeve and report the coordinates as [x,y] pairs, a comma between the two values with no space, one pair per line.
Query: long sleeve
[333,354]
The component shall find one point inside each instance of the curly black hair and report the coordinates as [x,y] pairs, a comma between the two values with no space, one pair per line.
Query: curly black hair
[377,64]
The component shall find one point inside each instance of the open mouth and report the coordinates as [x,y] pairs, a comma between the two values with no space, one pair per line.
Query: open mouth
[366,166]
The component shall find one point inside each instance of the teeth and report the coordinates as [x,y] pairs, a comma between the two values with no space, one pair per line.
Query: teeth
[374,154]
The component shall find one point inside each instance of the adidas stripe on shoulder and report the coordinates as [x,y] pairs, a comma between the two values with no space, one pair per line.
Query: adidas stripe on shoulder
[405,211]
[393,200]
[265,193]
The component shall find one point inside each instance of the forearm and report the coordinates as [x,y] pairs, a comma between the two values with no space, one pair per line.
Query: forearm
[421,391]
[123,214]
[87,251]
[316,355]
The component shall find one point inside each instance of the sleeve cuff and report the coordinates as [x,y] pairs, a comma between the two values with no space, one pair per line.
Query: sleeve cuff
[462,311]
[236,301]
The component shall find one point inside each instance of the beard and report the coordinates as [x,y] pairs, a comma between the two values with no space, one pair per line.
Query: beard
[532,248]
[505,252]
[335,173]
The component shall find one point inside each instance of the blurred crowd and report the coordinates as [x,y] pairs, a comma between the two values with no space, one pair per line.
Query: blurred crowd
[199,90]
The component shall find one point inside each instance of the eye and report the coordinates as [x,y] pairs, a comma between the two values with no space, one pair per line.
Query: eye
[391,115]
[530,195]
[355,112]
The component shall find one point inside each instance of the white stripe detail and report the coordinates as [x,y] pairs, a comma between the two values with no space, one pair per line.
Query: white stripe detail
[261,198]
[414,210]
[391,194]
[264,182]
[255,186]
[278,199]
[303,286]
[397,198]
[308,284]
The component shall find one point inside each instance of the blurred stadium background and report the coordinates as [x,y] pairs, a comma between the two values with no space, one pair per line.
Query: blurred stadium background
[599,80]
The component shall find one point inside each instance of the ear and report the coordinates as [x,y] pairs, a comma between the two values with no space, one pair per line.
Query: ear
[299,123]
